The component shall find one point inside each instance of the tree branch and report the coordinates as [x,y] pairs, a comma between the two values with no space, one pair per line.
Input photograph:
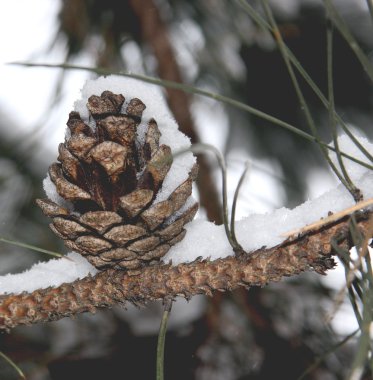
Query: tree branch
[312,251]
[155,33]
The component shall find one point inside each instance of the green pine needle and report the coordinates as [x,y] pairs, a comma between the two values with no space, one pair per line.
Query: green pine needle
[33,248]
[14,365]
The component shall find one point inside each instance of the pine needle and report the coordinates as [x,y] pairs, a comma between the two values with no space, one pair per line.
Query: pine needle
[162,340]
[34,248]
[14,365]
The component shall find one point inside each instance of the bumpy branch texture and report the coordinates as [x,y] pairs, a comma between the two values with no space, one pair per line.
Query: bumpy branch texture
[312,251]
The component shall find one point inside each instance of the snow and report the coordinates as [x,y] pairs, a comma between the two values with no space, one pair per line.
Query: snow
[258,230]
[51,192]
[52,273]
[203,239]
[354,170]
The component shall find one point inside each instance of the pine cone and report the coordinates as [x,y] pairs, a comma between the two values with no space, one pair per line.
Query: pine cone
[111,180]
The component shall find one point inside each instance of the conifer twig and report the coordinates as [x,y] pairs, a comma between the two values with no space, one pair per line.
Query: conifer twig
[310,252]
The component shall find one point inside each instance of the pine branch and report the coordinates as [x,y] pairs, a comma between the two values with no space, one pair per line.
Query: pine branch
[312,251]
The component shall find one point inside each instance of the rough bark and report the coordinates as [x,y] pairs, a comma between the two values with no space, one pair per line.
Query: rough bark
[310,252]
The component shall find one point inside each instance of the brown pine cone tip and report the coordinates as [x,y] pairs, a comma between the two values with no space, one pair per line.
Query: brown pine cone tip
[112,179]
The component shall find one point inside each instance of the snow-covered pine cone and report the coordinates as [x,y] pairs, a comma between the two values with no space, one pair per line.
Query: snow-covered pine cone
[111,179]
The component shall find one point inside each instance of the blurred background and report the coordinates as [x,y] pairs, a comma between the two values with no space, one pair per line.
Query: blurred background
[214,45]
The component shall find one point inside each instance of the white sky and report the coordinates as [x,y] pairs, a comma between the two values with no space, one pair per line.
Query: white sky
[26,93]
[23,37]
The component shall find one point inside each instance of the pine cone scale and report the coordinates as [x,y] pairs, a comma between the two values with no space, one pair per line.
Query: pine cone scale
[92,244]
[70,164]
[106,104]
[181,194]
[64,188]
[175,228]
[144,245]
[121,129]
[135,108]
[79,145]
[157,214]
[136,201]
[69,228]
[100,220]
[111,156]
[118,254]
[50,208]
[76,125]
[151,139]
[124,233]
